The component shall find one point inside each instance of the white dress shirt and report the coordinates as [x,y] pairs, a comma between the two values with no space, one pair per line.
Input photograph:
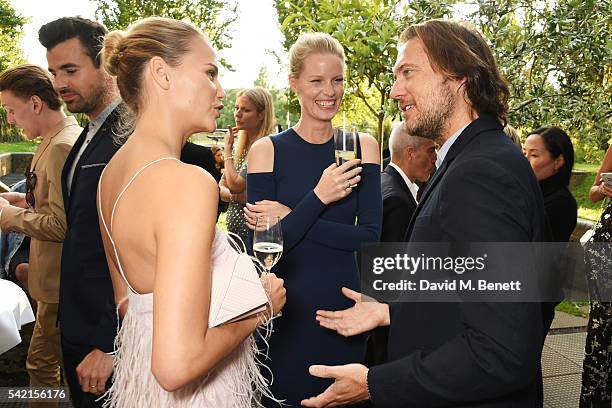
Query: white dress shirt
[446,147]
[92,129]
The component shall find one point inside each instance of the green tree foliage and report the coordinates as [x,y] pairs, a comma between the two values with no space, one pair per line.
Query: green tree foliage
[11,26]
[368,31]
[556,56]
[214,17]
[227,113]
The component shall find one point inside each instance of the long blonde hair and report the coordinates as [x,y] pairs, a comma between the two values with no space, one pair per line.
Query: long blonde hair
[262,99]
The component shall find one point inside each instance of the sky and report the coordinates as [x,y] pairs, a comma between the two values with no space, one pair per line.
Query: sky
[255,34]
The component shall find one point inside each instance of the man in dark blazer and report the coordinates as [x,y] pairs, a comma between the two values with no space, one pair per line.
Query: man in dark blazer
[453,354]
[412,161]
[200,156]
[87,315]
[203,157]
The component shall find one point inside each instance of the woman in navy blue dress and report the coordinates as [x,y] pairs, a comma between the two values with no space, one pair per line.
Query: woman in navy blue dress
[324,220]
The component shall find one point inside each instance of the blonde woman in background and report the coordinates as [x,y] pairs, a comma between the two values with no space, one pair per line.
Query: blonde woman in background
[161,256]
[254,115]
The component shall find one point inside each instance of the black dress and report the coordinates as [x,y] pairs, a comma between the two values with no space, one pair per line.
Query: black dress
[561,217]
[318,260]
[561,208]
[596,389]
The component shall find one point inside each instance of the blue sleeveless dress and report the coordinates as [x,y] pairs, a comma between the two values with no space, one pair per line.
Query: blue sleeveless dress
[318,259]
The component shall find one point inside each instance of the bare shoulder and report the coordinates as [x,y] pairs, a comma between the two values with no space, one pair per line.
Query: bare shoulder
[369,149]
[606,165]
[261,156]
[182,178]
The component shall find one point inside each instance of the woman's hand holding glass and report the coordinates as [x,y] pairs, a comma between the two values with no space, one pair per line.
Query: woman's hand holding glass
[276,292]
[268,245]
[336,181]
[264,208]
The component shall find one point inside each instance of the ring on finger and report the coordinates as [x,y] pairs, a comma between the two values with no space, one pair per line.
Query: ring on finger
[93,386]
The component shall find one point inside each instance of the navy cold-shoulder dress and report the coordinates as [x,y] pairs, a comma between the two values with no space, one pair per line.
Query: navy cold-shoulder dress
[318,259]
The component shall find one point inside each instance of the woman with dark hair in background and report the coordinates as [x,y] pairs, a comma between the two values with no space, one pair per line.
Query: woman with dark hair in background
[551,154]
[218,155]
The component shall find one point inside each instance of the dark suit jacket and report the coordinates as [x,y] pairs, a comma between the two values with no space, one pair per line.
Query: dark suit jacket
[200,156]
[87,304]
[469,354]
[398,206]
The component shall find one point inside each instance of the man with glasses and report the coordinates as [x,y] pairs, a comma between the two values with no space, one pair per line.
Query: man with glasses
[31,103]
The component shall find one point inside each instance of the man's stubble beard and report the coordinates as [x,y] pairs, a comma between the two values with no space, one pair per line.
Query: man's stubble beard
[87,105]
[432,123]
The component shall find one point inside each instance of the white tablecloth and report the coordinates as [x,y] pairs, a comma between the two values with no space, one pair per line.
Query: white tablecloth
[15,311]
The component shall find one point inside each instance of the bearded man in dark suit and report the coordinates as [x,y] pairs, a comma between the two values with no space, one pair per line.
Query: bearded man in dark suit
[483,354]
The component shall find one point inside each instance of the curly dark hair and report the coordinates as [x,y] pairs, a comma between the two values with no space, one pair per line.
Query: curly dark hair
[459,52]
[90,33]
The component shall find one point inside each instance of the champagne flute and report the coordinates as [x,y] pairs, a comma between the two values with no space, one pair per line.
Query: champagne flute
[268,241]
[345,146]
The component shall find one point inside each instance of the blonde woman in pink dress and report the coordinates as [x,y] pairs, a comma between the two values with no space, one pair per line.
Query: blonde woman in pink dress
[158,221]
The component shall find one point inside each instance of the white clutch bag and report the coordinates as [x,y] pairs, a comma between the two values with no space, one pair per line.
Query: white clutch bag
[237,291]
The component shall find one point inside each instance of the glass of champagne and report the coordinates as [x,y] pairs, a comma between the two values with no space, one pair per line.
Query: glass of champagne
[268,241]
[345,145]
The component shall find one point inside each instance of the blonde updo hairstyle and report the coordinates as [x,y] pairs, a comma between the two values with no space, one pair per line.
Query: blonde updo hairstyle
[312,43]
[125,54]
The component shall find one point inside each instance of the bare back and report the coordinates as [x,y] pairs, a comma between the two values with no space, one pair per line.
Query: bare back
[136,197]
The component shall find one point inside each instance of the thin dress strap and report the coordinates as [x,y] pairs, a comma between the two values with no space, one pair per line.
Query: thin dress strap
[108,231]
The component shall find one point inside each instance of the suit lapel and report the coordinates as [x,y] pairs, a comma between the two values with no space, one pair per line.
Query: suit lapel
[102,133]
[68,164]
[426,193]
[39,152]
[392,172]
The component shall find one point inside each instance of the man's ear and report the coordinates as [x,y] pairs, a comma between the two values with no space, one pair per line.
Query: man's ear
[37,104]
[159,71]
[408,152]
[462,91]
[462,86]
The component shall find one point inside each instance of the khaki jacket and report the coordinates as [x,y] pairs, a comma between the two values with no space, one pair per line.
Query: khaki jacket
[46,223]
